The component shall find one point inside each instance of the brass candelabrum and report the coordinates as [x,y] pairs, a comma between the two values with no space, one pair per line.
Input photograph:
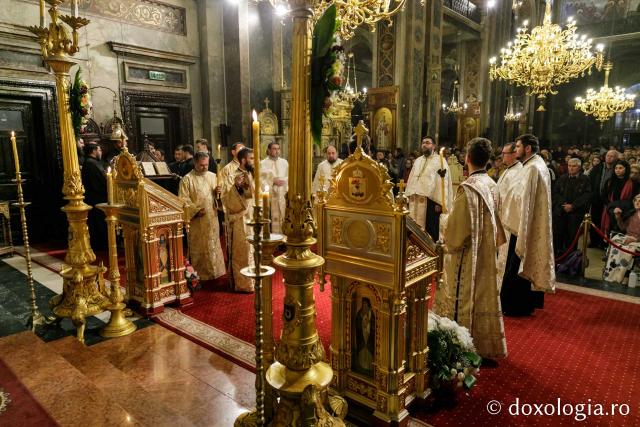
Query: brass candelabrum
[257,272]
[35,317]
[80,296]
[118,325]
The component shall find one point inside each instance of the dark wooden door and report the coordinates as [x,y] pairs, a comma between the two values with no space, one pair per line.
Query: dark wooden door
[42,179]
[161,125]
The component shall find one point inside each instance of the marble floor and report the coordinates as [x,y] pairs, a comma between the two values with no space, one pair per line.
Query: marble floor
[152,377]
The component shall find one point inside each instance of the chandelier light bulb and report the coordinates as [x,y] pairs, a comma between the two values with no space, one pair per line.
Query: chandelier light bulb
[491,4]
[525,22]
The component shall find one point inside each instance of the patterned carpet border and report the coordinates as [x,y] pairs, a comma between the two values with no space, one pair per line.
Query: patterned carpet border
[598,293]
[213,339]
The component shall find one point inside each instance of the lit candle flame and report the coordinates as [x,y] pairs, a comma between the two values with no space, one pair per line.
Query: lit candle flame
[255,116]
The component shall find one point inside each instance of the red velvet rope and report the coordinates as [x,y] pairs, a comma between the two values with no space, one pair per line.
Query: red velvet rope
[571,247]
[601,233]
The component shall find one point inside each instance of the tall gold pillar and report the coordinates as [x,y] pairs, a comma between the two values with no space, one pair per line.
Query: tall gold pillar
[300,375]
[80,296]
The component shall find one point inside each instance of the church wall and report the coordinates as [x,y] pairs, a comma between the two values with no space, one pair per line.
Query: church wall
[101,65]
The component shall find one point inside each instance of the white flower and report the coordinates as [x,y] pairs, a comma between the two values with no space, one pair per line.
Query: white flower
[458,366]
[460,376]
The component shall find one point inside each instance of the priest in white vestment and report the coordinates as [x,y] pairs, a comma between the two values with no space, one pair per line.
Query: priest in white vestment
[424,189]
[505,181]
[325,170]
[470,294]
[237,200]
[199,190]
[530,266]
[274,172]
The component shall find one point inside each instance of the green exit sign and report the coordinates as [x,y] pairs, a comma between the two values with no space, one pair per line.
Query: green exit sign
[157,75]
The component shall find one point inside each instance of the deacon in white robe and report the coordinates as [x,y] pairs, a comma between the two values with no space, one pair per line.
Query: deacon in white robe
[238,205]
[505,181]
[199,190]
[530,268]
[470,295]
[325,170]
[274,172]
[424,189]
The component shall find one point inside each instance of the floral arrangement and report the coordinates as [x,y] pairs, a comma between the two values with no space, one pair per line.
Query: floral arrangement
[327,69]
[80,105]
[193,281]
[452,356]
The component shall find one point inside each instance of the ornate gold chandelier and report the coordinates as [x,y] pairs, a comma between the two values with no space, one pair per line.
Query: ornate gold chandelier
[545,58]
[455,106]
[602,105]
[351,94]
[512,115]
[352,13]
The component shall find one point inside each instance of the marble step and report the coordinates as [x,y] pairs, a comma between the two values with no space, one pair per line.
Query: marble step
[115,383]
[203,387]
[64,392]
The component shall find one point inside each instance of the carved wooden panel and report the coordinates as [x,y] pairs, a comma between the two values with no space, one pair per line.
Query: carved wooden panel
[143,13]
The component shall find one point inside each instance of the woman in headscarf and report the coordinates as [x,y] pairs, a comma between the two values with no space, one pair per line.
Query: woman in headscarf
[620,263]
[618,189]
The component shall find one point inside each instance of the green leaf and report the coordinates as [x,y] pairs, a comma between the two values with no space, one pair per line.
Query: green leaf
[324,31]
[469,381]
[323,36]
[473,358]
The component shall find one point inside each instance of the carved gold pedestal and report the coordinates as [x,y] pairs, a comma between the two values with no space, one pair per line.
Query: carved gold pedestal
[118,325]
[81,296]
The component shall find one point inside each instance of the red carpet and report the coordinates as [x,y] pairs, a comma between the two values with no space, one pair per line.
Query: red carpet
[233,312]
[21,409]
[579,349]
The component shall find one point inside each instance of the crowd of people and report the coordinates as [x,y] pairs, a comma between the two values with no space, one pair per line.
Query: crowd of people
[516,205]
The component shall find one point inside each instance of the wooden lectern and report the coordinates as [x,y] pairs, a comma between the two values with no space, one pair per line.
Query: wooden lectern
[382,268]
[152,220]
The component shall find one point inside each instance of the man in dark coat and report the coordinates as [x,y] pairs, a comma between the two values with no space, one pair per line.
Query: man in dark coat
[599,175]
[571,200]
[95,191]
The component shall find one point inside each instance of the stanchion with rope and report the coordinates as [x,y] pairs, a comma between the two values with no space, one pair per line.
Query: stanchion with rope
[582,231]
[586,222]
[614,244]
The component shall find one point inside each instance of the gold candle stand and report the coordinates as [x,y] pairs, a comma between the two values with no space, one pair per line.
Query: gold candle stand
[35,318]
[257,272]
[118,325]
[80,296]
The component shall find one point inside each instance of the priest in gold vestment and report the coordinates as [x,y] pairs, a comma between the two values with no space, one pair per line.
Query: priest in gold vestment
[199,189]
[237,199]
[470,295]
[530,267]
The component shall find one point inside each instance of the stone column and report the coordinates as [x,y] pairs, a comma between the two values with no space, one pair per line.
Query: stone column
[237,81]
[212,72]
[496,33]
[433,73]
[411,43]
